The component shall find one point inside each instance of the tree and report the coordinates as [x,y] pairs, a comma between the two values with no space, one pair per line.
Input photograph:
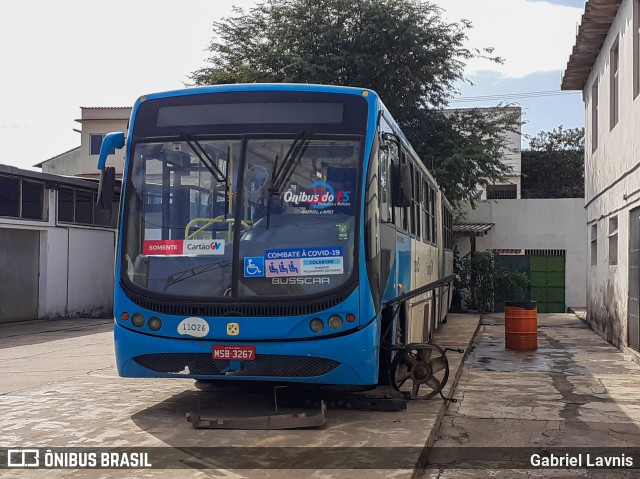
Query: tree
[400,48]
[553,166]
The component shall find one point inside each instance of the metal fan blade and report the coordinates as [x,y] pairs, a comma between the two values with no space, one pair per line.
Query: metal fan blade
[438,364]
[434,383]
[415,389]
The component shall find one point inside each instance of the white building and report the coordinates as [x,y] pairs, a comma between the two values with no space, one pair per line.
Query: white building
[509,187]
[56,247]
[605,66]
[541,238]
[82,161]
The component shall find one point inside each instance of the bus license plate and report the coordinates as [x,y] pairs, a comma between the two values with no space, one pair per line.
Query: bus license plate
[245,353]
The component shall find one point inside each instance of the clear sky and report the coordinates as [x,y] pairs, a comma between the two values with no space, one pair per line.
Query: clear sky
[57,56]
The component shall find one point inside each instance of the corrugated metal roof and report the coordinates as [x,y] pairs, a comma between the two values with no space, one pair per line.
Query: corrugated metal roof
[472,229]
[594,27]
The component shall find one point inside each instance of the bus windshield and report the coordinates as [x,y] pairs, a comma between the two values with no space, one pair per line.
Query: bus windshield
[228,217]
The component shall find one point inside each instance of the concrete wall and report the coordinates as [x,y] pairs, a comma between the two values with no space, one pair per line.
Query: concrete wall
[536,224]
[611,179]
[90,273]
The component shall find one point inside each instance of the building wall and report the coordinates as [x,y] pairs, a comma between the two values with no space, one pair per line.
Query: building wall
[65,164]
[90,276]
[73,272]
[80,161]
[536,224]
[512,157]
[611,179]
[100,127]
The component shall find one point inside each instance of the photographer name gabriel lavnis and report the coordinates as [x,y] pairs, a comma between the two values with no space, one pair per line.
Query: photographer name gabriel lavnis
[581,460]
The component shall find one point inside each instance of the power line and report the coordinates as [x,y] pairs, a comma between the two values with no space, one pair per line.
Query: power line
[512,96]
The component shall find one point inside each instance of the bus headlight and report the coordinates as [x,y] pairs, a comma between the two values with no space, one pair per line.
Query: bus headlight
[317,325]
[335,322]
[155,324]
[138,320]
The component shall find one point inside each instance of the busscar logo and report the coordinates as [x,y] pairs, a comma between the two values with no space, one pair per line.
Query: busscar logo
[23,458]
[299,280]
[233,329]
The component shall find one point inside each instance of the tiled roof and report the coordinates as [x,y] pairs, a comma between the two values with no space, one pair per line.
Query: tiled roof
[594,27]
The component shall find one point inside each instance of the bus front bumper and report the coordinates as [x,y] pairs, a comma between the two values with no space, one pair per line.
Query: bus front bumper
[350,359]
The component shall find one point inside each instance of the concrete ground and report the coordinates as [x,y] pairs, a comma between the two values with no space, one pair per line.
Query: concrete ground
[59,387]
[575,391]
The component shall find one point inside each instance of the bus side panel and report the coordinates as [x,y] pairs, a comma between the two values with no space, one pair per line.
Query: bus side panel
[404,268]
[422,307]
[388,273]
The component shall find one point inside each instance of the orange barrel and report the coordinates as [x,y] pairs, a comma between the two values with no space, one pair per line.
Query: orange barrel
[521,325]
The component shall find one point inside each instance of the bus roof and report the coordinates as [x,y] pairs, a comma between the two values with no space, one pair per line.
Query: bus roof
[260,87]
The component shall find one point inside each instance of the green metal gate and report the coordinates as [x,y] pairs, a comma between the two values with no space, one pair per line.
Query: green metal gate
[546,274]
[547,283]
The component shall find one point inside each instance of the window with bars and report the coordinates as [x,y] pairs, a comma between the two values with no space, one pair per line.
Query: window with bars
[545,252]
[502,192]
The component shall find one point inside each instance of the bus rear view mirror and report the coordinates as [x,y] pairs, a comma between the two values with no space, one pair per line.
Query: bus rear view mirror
[401,185]
[106,188]
[110,143]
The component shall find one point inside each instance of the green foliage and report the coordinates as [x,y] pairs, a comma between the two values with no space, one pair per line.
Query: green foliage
[481,280]
[400,48]
[553,166]
[465,149]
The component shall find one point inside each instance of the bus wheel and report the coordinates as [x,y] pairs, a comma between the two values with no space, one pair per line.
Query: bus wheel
[417,365]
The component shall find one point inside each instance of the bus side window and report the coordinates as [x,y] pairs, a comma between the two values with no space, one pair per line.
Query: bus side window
[424,211]
[404,212]
[394,159]
[425,206]
[434,216]
[417,180]
[386,153]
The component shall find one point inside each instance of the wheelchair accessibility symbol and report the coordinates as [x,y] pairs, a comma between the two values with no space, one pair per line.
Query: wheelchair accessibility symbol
[253,267]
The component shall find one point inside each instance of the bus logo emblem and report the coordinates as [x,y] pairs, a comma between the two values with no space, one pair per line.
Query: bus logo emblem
[233,329]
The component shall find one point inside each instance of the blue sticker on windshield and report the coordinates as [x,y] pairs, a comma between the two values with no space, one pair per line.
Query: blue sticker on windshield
[303,262]
[254,267]
[292,253]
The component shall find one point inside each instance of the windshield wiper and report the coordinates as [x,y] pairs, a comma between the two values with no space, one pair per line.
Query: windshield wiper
[204,157]
[281,176]
[191,272]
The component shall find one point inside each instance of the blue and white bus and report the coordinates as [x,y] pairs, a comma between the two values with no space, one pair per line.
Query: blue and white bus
[266,231]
